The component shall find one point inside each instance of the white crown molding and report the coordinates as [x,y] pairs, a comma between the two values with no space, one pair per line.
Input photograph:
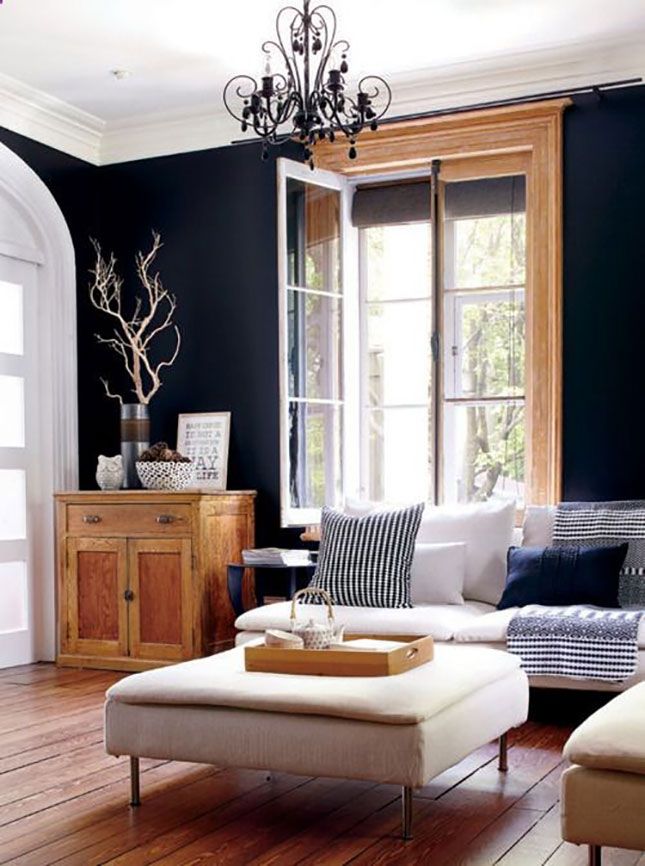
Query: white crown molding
[466,83]
[519,74]
[51,121]
[165,133]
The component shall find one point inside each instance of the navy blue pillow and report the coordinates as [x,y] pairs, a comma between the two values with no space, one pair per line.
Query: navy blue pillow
[563,576]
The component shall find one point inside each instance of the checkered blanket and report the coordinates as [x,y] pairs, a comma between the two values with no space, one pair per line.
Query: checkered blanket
[581,641]
[578,641]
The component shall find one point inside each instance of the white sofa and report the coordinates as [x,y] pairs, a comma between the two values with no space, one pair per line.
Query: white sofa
[476,621]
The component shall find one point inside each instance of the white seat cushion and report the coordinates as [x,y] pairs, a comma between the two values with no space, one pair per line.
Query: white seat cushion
[612,738]
[492,628]
[439,620]
[405,699]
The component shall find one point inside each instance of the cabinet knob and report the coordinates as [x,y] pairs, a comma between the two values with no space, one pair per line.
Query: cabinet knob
[128,595]
[165,518]
[91,518]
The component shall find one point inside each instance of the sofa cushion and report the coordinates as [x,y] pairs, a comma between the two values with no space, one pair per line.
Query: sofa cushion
[365,561]
[612,738]
[437,573]
[563,576]
[439,620]
[491,628]
[487,530]
[537,529]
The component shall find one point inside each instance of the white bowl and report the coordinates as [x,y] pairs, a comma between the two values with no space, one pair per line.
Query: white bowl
[163,475]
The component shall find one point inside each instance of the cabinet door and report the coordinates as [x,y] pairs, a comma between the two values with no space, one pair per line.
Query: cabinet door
[161,604]
[95,584]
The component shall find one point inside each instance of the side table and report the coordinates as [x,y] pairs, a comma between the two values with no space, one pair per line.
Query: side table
[235,575]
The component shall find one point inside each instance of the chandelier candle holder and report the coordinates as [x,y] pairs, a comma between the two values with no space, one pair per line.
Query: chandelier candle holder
[307,99]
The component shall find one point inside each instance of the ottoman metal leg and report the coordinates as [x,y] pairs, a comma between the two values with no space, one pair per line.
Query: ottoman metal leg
[595,855]
[406,813]
[135,798]
[502,764]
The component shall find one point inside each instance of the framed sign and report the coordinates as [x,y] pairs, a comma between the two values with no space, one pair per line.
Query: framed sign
[203,436]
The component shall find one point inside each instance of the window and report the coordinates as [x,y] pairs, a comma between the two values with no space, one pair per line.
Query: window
[312,346]
[477,437]
[389,392]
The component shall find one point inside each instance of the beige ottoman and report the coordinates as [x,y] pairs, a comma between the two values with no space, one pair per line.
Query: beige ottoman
[603,794]
[403,729]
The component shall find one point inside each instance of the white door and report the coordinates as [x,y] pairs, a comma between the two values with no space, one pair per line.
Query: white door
[19,464]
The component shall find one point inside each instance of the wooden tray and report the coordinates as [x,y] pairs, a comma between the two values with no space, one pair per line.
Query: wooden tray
[344,662]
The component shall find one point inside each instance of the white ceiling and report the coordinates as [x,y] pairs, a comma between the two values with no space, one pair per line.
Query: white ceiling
[181,52]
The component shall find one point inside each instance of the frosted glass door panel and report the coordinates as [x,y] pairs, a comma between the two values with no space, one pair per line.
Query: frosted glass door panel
[11,320]
[13,592]
[12,412]
[13,517]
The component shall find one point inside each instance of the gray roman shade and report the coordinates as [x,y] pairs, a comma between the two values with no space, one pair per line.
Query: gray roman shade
[482,198]
[409,202]
[391,204]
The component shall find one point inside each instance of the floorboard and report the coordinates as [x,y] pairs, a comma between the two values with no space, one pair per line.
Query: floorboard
[64,801]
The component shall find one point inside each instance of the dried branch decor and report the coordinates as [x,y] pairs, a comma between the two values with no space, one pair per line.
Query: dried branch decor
[133,335]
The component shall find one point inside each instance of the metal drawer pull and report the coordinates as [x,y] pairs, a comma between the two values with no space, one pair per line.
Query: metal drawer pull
[91,518]
[128,595]
[166,518]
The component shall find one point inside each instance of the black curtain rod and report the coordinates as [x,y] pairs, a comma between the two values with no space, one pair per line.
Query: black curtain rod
[595,89]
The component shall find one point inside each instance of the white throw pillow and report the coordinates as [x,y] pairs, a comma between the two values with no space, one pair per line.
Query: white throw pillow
[437,573]
[487,530]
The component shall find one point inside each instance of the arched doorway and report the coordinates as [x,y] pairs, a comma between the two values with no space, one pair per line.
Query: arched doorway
[38,404]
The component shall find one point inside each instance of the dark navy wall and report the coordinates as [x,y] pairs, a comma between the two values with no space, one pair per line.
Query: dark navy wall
[604,298]
[216,211]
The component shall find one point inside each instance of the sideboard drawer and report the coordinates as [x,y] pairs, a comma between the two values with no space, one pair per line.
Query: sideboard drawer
[96,518]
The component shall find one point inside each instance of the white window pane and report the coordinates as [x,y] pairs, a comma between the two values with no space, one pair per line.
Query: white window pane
[397,261]
[13,519]
[13,596]
[398,359]
[314,346]
[11,323]
[490,347]
[315,467]
[399,455]
[490,251]
[484,452]
[12,412]
[313,236]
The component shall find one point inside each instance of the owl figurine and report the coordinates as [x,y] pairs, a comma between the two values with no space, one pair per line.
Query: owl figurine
[109,472]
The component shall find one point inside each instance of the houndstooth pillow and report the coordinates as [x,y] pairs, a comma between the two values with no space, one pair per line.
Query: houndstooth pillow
[365,561]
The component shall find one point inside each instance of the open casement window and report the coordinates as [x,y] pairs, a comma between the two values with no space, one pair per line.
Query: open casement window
[313,278]
[421,322]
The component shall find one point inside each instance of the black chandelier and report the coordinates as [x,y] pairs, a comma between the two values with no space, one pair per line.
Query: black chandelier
[306,99]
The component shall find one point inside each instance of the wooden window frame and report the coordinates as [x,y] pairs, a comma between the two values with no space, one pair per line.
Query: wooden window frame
[519,139]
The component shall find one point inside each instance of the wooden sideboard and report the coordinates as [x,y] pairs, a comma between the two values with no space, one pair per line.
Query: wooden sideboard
[142,574]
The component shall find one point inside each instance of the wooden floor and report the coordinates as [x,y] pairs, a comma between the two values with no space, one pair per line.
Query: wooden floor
[63,800]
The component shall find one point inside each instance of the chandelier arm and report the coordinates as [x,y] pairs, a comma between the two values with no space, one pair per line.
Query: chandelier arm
[376,91]
[338,118]
[273,104]
[328,44]
[239,92]
[290,55]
